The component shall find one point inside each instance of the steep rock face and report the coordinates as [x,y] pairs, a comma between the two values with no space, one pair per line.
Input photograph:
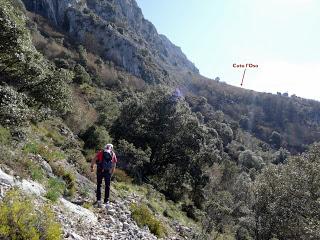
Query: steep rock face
[117,31]
[53,10]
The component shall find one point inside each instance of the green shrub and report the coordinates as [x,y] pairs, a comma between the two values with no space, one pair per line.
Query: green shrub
[87,89]
[52,228]
[174,212]
[191,211]
[19,219]
[89,154]
[54,155]
[122,187]
[62,63]
[144,217]
[87,205]
[44,151]
[70,181]
[31,148]
[76,158]
[138,158]
[49,131]
[108,107]
[287,198]
[243,234]
[55,189]
[58,140]
[35,171]
[275,139]
[249,159]
[57,169]
[5,136]
[24,68]
[14,160]
[13,108]
[96,137]
[80,75]
[67,176]
[121,176]
[168,213]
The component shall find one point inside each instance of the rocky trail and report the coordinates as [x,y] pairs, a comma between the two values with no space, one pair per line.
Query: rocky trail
[79,223]
[101,223]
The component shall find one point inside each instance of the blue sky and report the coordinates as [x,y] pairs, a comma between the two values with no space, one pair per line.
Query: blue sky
[281,36]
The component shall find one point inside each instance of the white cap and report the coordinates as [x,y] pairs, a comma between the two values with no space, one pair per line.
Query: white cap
[109,145]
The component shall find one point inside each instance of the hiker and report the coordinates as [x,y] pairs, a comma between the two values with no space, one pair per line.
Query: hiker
[106,161]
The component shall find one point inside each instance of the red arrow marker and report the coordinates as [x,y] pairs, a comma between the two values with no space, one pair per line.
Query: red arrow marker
[244,73]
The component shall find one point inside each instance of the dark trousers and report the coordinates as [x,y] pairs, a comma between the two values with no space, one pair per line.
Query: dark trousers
[107,178]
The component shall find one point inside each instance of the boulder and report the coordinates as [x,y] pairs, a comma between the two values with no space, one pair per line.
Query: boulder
[6,179]
[82,214]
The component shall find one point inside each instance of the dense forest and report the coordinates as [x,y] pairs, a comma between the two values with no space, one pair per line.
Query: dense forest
[241,164]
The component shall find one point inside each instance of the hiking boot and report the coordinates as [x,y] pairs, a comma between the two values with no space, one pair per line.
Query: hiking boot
[107,205]
[97,204]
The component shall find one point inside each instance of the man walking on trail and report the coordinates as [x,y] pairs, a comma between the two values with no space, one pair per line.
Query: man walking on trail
[106,161]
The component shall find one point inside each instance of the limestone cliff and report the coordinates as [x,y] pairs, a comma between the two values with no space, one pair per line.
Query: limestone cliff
[118,32]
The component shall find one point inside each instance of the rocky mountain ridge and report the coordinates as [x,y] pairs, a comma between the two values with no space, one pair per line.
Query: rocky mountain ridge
[117,31]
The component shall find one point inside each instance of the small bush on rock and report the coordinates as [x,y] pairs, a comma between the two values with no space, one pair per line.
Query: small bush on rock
[70,181]
[68,178]
[144,217]
[35,171]
[19,219]
[55,189]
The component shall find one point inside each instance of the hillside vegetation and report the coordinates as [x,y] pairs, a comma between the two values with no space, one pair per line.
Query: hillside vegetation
[228,162]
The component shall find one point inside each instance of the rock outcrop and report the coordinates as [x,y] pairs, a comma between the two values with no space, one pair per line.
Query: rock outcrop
[28,186]
[118,32]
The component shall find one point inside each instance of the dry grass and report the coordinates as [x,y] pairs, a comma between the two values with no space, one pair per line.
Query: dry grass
[83,114]
[51,48]
[106,72]
[92,62]
[134,82]
[52,45]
